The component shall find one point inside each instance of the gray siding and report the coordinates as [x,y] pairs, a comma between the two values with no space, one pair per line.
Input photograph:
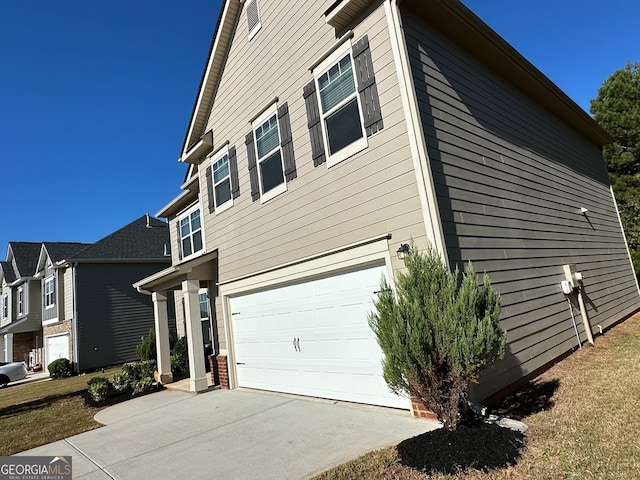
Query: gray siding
[52,313]
[34,299]
[112,316]
[510,181]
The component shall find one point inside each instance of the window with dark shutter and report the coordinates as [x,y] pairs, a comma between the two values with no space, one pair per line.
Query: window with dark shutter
[222,180]
[286,142]
[179,240]
[253,167]
[367,86]
[270,150]
[342,103]
[211,202]
[313,123]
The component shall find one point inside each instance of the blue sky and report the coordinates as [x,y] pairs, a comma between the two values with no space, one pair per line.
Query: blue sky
[95,97]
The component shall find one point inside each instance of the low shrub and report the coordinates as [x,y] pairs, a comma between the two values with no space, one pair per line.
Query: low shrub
[139,375]
[120,382]
[60,368]
[180,359]
[99,388]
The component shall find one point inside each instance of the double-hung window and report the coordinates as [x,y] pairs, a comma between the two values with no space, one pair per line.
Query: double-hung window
[342,103]
[221,182]
[340,110]
[269,155]
[20,300]
[190,229]
[49,292]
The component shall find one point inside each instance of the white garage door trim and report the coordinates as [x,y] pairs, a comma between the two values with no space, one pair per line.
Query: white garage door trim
[360,257]
[48,349]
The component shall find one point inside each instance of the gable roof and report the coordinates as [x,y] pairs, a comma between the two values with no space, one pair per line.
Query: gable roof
[146,238]
[25,256]
[451,18]
[9,274]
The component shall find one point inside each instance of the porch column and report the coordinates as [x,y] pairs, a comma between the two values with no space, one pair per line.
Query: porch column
[198,379]
[162,336]
[8,347]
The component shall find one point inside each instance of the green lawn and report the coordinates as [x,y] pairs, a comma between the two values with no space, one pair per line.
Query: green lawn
[583,417]
[34,414]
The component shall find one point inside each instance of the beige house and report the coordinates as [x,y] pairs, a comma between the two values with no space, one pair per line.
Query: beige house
[326,136]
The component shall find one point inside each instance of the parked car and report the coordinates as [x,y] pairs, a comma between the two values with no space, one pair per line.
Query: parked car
[11,371]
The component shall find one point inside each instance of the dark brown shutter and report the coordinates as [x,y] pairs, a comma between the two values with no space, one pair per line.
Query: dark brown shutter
[233,172]
[313,122]
[179,239]
[367,86]
[210,193]
[286,142]
[253,167]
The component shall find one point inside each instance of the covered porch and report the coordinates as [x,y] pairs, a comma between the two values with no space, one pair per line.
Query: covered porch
[187,281]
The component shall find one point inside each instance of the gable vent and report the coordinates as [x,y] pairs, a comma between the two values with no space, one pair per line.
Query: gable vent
[252,15]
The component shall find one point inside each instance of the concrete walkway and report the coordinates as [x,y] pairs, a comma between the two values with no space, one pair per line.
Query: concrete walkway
[230,434]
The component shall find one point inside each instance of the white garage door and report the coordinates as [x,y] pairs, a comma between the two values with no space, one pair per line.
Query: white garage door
[313,338]
[56,347]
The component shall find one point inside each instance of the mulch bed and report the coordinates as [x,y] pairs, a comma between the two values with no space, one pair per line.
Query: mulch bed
[476,446]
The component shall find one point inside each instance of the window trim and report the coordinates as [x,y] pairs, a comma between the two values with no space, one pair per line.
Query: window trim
[219,154]
[271,111]
[50,279]
[360,144]
[180,217]
[5,305]
[20,300]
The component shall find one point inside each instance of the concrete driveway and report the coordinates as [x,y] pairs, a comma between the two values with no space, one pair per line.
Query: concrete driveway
[230,434]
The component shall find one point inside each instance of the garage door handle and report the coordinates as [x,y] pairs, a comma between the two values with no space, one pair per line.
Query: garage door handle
[296,344]
[240,363]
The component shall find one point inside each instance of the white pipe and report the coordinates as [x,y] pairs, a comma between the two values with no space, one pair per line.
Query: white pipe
[585,318]
[573,319]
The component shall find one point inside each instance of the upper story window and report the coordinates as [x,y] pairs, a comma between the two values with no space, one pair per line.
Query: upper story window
[253,17]
[190,230]
[49,292]
[342,103]
[270,151]
[20,300]
[269,157]
[5,306]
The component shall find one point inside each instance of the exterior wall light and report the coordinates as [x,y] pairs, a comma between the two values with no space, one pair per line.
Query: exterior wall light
[402,251]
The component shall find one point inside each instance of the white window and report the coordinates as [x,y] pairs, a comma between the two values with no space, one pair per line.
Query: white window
[221,179]
[340,109]
[20,301]
[269,155]
[49,292]
[253,17]
[203,300]
[191,233]
[5,306]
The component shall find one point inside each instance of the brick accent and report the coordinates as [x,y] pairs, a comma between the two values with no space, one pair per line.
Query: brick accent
[418,410]
[219,370]
[23,343]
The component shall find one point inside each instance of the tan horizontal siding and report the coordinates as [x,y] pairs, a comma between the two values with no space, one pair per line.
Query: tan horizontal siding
[370,194]
[510,180]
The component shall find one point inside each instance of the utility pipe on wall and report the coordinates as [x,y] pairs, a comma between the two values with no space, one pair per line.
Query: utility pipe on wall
[585,318]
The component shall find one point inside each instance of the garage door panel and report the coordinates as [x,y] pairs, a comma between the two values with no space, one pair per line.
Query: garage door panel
[339,357]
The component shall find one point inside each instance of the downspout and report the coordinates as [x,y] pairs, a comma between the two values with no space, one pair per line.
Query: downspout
[74,320]
[419,154]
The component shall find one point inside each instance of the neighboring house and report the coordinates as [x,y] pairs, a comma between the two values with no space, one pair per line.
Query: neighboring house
[314,151]
[90,313]
[20,313]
